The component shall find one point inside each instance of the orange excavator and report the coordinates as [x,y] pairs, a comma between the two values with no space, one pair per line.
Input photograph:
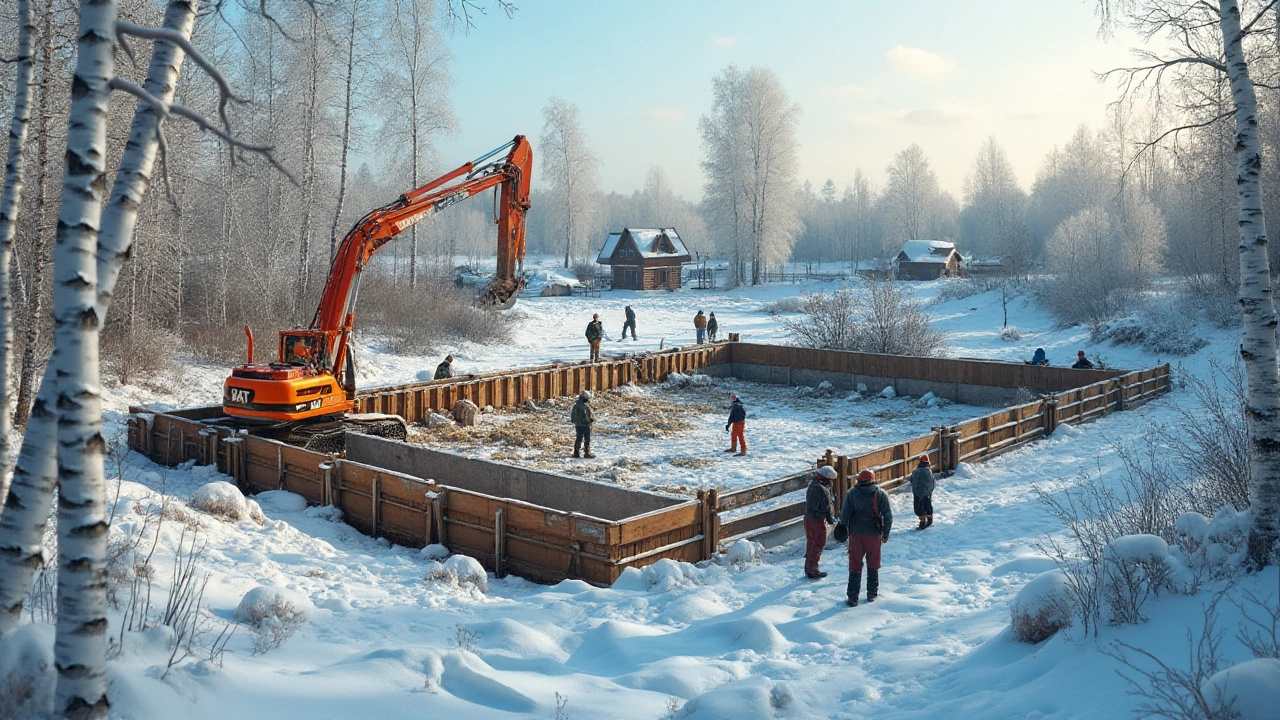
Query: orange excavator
[302,396]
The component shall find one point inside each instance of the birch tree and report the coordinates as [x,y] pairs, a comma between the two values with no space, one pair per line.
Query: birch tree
[571,168]
[992,221]
[750,161]
[1219,37]
[9,200]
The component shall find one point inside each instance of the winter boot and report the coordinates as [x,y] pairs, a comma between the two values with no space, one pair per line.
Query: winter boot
[922,524]
[589,454]
[855,586]
[577,455]
[873,584]
[928,520]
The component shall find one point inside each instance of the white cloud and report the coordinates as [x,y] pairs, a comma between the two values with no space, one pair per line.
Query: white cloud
[936,115]
[844,90]
[723,41]
[664,116]
[917,63]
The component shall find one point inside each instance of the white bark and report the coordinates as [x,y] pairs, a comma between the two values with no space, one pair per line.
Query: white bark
[81,647]
[9,200]
[572,170]
[1258,336]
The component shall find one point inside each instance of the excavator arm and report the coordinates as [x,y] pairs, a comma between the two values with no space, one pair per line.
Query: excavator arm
[305,382]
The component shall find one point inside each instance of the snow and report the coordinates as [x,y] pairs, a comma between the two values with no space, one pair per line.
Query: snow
[927,251]
[1137,548]
[264,602]
[398,632]
[1250,689]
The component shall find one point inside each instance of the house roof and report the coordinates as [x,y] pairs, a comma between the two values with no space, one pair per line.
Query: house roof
[648,242]
[927,251]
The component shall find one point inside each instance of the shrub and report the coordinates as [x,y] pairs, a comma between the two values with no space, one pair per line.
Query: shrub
[791,304]
[1042,607]
[274,614]
[139,351]
[436,313]
[224,500]
[878,318]
[1160,327]
[1010,334]
[1134,569]
[959,289]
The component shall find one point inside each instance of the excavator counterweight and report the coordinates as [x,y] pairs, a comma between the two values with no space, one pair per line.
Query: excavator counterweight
[307,394]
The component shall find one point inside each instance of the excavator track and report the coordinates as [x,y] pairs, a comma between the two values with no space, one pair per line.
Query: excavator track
[329,436]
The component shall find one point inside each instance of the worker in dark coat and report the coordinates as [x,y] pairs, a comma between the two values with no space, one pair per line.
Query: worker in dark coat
[444,370]
[700,324]
[712,327]
[630,323]
[868,516]
[736,425]
[1082,362]
[595,331]
[582,418]
[922,484]
[817,516]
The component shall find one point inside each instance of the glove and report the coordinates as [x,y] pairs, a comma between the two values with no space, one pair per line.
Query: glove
[726,428]
[831,520]
[884,538]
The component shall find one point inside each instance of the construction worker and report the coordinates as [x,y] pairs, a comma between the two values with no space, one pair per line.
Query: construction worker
[736,425]
[867,514]
[595,331]
[817,516]
[444,370]
[1082,362]
[712,327]
[630,323]
[922,484]
[582,418]
[700,324]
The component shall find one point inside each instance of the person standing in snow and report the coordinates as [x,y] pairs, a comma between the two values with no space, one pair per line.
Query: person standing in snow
[817,516]
[700,324]
[736,425]
[868,516]
[595,331]
[582,418]
[630,323]
[1082,362]
[444,370]
[922,484]
[712,327]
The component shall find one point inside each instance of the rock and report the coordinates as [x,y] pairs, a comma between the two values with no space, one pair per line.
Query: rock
[530,405]
[436,420]
[464,413]
[888,392]
[487,409]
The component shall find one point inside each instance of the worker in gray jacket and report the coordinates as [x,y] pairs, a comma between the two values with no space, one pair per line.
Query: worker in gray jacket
[817,515]
[868,516]
[922,484]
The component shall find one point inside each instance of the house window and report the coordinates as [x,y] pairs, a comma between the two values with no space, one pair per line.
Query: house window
[631,278]
[660,277]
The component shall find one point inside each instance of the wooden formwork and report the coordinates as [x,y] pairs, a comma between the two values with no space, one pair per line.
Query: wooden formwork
[548,545]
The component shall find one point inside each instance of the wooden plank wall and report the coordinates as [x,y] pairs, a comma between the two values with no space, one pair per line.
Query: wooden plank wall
[415,401]
[549,545]
[506,535]
[942,370]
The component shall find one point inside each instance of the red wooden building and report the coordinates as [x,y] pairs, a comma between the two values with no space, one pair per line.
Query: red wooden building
[644,258]
[928,260]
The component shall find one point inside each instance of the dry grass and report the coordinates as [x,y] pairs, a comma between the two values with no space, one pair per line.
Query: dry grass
[618,414]
[695,463]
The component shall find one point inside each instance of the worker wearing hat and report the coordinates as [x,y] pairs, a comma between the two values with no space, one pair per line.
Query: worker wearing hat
[922,484]
[1082,362]
[869,517]
[817,516]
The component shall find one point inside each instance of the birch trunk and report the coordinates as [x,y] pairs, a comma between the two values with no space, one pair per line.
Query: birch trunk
[1258,336]
[9,200]
[346,130]
[309,180]
[35,289]
[81,647]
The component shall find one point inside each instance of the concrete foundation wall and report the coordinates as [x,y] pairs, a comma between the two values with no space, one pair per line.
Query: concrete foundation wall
[558,492]
[978,395]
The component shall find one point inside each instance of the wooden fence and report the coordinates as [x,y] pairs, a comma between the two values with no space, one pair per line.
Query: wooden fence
[970,441]
[548,545]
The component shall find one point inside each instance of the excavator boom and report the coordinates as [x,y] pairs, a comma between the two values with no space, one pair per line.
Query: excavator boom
[314,377]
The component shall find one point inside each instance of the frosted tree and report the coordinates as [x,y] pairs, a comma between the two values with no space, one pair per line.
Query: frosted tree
[417,82]
[9,200]
[911,196]
[750,154]
[1072,178]
[353,67]
[571,168]
[992,222]
[1219,37]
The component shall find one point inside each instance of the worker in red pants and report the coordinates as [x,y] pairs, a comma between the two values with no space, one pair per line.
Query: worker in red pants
[736,425]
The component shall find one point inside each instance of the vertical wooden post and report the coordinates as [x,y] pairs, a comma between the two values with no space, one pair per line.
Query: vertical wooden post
[235,447]
[499,541]
[428,513]
[377,499]
[438,508]
[335,484]
[326,470]
[713,502]
[279,467]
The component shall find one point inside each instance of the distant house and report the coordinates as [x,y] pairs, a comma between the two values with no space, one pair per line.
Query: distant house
[644,258]
[928,260]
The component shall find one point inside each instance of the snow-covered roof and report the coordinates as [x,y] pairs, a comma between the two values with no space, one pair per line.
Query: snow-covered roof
[610,244]
[927,251]
[648,242]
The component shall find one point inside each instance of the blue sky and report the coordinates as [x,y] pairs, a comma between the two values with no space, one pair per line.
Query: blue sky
[871,78]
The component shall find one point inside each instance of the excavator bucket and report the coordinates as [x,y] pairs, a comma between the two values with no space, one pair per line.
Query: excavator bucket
[501,294]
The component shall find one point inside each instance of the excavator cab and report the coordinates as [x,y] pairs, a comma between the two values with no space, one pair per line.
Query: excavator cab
[304,348]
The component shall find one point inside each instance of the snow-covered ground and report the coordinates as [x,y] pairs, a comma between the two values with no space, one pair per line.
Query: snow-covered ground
[391,633]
